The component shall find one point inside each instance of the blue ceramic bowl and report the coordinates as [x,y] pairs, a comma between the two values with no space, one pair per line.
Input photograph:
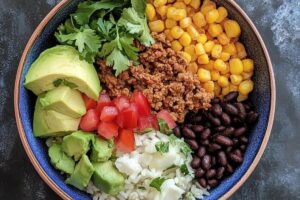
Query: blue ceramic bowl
[263,98]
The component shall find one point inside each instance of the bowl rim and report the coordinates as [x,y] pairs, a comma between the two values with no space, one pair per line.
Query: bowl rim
[48,179]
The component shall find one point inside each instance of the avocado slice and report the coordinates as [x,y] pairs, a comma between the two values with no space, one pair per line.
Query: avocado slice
[65,101]
[107,178]
[60,160]
[82,173]
[77,144]
[101,150]
[51,123]
[62,63]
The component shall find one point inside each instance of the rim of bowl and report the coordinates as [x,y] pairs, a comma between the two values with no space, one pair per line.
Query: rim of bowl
[48,179]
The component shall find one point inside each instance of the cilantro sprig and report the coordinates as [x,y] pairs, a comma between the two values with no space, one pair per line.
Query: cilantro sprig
[157,182]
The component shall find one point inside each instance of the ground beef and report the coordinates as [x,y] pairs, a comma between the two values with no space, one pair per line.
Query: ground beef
[163,79]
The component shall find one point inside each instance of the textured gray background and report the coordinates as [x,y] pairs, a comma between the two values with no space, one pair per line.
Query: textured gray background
[278,173]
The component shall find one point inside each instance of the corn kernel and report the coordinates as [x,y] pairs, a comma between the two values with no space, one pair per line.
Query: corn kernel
[150,12]
[168,35]
[176,46]
[190,50]
[236,66]
[185,39]
[170,12]
[199,19]
[225,90]
[192,32]
[215,75]
[247,75]
[202,38]
[176,32]
[212,16]
[248,65]
[157,26]
[242,98]
[170,23]
[223,39]
[233,88]
[246,87]
[208,6]
[215,30]
[158,3]
[187,57]
[162,11]
[176,14]
[208,46]
[230,48]
[192,67]
[216,51]
[195,4]
[204,75]
[225,56]
[220,65]
[184,23]
[236,79]
[180,5]
[217,90]
[209,86]
[232,28]
[227,71]
[199,49]
[203,59]
[187,1]
[223,13]
[241,51]
[171,1]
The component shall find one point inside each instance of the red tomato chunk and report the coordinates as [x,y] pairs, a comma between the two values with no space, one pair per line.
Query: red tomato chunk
[121,103]
[142,104]
[128,118]
[109,114]
[125,141]
[89,103]
[89,121]
[148,122]
[165,115]
[108,130]
[104,100]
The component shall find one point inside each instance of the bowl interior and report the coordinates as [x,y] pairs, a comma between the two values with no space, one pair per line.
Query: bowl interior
[261,98]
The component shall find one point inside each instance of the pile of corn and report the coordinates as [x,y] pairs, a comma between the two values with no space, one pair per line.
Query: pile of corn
[209,42]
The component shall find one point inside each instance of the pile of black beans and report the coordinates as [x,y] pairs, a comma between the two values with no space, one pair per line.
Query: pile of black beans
[218,137]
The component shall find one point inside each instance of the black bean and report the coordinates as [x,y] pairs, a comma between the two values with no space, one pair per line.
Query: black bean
[204,142]
[237,121]
[206,162]
[230,109]
[220,129]
[189,126]
[196,163]
[214,147]
[193,144]
[208,124]
[213,161]
[222,159]
[188,133]
[202,182]
[212,182]
[236,158]
[223,140]
[177,131]
[232,96]
[244,140]
[229,168]
[201,152]
[240,131]
[243,147]
[215,100]
[197,119]
[242,110]
[216,110]
[211,173]
[199,173]
[235,141]
[220,172]
[215,121]
[197,128]
[229,131]
[252,117]
[238,152]
[205,134]
[225,119]
[228,149]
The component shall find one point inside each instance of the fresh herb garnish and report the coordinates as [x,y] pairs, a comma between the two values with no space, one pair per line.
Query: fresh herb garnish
[164,127]
[184,147]
[157,182]
[184,170]
[162,147]
[141,188]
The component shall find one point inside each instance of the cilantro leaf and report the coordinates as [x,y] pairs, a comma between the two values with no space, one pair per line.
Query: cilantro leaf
[162,147]
[139,6]
[119,62]
[157,182]
[164,127]
[184,170]
[185,149]
[130,50]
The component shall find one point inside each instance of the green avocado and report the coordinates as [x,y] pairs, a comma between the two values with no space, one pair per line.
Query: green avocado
[101,150]
[51,123]
[64,100]
[107,178]
[77,144]
[82,173]
[62,64]
[60,160]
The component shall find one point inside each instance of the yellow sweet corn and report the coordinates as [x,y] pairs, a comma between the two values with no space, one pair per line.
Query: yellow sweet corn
[187,57]
[184,23]
[232,28]
[212,16]
[203,59]
[187,2]
[248,65]
[202,38]
[220,65]
[199,49]
[246,87]
[192,67]
[199,19]
[158,3]
[225,90]
[180,5]
[150,12]
[241,51]
[208,46]
[192,32]
[176,46]
[215,75]
[208,6]
[225,56]
[216,51]
[209,66]
[170,23]
[157,26]
[209,86]
[236,66]
[162,11]
[223,39]
[223,13]
[195,4]
[177,32]
[204,75]
[230,48]
[236,79]
[215,30]
[185,39]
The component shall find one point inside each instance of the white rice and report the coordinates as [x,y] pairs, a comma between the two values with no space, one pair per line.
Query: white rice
[142,171]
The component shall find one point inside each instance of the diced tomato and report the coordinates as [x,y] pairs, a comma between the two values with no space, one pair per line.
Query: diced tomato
[108,130]
[148,122]
[89,103]
[121,103]
[104,100]
[165,115]
[109,114]
[142,104]
[128,118]
[89,121]
[125,142]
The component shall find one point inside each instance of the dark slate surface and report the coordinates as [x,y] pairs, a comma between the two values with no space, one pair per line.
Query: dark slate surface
[278,173]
